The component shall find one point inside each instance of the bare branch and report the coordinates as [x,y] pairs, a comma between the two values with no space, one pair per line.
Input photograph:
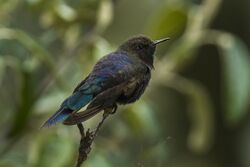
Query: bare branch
[88,137]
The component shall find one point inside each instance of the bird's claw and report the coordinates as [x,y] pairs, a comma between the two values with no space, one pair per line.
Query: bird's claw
[114,108]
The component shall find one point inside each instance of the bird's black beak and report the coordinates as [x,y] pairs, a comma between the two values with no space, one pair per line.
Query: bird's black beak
[161,40]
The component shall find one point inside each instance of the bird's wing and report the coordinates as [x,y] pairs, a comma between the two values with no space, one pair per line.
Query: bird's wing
[131,90]
[80,84]
[102,101]
[109,71]
[108,98]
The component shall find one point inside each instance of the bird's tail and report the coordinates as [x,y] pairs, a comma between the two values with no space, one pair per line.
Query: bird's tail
[59,116]
[73,103]
[82,116]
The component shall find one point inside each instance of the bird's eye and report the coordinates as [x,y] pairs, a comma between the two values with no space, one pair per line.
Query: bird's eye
[140,47]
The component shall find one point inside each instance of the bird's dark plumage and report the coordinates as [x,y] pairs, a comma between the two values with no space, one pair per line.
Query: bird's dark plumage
[118,78]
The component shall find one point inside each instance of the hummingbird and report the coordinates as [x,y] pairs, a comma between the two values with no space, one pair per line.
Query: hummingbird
[120,77]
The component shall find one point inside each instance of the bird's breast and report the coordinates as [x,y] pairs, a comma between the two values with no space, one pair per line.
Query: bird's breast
[134,89]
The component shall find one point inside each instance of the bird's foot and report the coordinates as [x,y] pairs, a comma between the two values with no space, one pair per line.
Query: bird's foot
[111,110]
[114,108]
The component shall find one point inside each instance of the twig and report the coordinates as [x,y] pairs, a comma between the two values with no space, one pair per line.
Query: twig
[85,144]
[88,137]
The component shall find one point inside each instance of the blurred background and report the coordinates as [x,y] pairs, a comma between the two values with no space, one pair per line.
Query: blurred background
[195,112]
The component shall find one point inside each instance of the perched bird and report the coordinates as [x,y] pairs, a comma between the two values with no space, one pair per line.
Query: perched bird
[120,77]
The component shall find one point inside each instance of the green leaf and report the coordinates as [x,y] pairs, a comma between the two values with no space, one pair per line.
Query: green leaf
[2,69]
[141,120]
[51,150]
[66,12]
[236,83]
[170,21]
[37,50]
[105,15]
[201,115]
[200,110]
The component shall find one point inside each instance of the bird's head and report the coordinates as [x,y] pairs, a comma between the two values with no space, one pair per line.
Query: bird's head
[142,47]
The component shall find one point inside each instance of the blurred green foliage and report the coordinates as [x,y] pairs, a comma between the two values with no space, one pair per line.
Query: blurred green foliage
[194,113]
